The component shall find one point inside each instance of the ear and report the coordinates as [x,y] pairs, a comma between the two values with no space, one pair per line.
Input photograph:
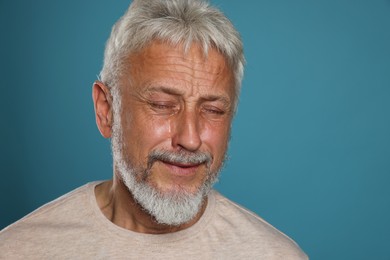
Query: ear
[103,108]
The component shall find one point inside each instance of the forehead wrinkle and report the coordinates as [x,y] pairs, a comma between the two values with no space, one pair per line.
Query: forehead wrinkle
[191,61]
[213,97]
[195,70]
[189,67]
[194,78]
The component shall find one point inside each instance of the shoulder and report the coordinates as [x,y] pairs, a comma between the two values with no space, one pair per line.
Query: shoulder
[54,209]
[246,226]
[37,228]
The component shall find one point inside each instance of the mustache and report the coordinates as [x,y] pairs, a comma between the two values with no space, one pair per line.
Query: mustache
[180,157]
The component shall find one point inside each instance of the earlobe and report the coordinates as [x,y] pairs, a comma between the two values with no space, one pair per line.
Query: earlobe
[103,108]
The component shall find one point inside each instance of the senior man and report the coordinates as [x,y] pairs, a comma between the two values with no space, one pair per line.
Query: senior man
[166,97]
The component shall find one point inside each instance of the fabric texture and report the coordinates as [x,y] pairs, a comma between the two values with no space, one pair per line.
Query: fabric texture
[73,227]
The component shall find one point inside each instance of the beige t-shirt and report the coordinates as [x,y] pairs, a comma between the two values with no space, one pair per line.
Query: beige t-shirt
[73,227]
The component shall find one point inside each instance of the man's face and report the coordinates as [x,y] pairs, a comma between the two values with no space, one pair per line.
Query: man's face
[179,104]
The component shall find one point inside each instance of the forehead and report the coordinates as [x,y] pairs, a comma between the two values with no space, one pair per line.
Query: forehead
[163,63]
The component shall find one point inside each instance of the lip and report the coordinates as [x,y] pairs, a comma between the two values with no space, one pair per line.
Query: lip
[182,169]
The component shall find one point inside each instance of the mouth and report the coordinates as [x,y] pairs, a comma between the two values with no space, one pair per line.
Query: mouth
[183,165]
[182,169]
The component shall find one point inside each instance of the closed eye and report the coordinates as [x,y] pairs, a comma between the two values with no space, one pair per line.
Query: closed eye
[164,108]
[214,111]
[161,105]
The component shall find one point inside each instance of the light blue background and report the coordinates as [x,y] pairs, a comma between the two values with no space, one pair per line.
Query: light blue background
[310,150]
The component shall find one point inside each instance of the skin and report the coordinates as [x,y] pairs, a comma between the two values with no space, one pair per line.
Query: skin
[174,101]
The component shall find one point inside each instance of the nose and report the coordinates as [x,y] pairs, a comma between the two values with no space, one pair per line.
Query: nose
[186,132]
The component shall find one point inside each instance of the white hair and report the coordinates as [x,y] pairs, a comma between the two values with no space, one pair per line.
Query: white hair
[175,22]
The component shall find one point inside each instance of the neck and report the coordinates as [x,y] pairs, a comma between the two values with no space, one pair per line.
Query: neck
[119,206]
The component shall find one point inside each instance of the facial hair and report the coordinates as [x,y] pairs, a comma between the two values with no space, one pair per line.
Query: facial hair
[175,206]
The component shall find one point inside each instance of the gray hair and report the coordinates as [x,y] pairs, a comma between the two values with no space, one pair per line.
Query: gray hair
[175,22]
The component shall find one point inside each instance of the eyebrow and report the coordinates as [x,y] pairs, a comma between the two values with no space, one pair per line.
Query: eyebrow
[175,92]
[164,89]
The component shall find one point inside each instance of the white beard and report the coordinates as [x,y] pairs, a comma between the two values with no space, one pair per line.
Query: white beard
[174,207]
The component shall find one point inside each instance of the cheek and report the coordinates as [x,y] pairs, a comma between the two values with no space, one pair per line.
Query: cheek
[216,137]
[145,132]
[161,128]
[140,137]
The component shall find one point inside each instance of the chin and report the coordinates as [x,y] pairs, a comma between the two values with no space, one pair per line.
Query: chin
[173,204]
